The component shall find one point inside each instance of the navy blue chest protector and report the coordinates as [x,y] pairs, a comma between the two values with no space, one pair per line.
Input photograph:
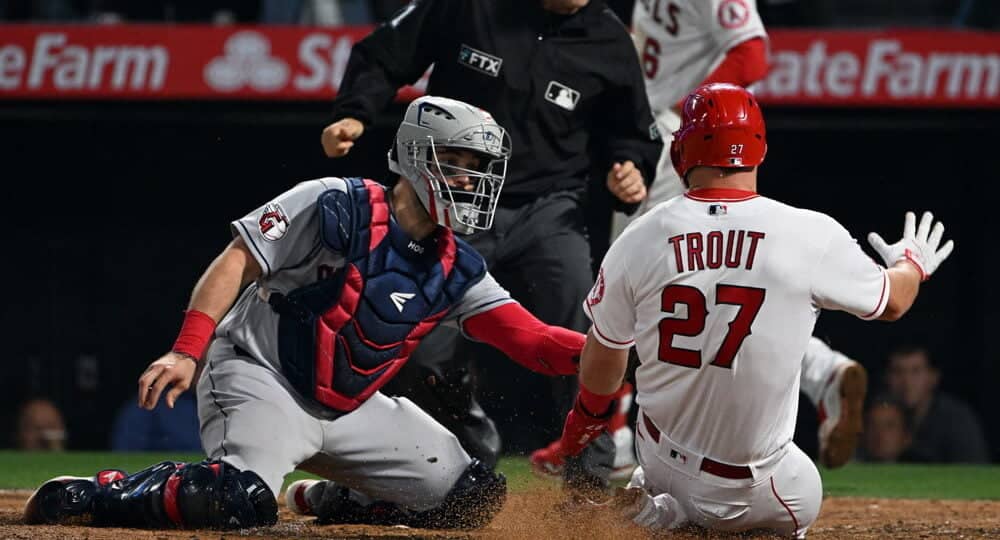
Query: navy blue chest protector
[340,339]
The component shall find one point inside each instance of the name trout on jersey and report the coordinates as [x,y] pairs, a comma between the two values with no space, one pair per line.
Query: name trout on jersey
[732,249]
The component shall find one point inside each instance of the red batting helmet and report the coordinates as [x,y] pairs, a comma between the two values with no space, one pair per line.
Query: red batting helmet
[721,126]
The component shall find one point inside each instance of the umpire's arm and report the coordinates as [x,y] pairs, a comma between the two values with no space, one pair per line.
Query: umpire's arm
[397,53]
[626,128]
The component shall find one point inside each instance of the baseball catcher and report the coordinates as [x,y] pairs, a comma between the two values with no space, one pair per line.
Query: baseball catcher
[316,303]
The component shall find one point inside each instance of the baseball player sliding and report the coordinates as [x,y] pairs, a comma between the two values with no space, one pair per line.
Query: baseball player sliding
[683,44]
[320,299]
[719,290]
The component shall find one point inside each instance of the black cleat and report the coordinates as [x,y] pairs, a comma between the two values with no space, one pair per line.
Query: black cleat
[60,499]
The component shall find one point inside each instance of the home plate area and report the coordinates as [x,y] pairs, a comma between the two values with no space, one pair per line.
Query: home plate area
[538,513]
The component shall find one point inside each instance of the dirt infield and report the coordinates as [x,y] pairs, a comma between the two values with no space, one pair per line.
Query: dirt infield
[534,515]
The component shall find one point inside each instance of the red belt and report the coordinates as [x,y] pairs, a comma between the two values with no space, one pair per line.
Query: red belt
[735,472]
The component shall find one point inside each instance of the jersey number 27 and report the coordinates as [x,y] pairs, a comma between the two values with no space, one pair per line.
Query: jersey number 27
[749,299]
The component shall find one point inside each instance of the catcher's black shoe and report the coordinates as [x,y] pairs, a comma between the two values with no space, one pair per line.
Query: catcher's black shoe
[66,498]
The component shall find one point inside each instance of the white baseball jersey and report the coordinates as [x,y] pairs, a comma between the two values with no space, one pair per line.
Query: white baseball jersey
[284,238]
[680,42]
[719,290]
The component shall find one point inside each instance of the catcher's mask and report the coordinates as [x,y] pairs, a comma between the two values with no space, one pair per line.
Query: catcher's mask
[462,189]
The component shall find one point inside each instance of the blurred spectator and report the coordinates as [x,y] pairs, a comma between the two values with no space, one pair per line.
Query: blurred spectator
[40,426]
[794,13]
[945,430]
[162,429]
[984,14]
[317,12]
[38,10]
[887,433]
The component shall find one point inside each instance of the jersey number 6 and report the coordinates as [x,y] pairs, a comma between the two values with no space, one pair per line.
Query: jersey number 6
[749,299]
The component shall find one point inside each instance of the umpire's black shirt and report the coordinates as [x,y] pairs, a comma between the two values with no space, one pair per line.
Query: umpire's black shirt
[562,85]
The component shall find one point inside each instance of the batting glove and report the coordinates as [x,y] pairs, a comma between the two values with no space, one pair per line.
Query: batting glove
[583,426]
[919,245]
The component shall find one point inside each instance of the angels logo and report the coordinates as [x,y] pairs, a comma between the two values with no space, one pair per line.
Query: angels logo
[733,13]
[273,222]
[597,292]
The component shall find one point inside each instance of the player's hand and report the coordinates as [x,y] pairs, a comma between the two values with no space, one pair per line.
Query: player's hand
[625,182]
[581,428]
[172,369]
[919,246]
[652,513]
[339,137]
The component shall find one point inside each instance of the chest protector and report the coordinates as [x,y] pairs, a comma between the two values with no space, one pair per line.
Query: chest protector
[343,337]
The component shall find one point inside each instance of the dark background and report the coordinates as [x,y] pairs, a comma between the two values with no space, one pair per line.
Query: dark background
[112,211]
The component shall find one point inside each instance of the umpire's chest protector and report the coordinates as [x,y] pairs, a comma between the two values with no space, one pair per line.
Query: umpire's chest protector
[340,339]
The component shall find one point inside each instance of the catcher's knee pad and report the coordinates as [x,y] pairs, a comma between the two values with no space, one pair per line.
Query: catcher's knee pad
[476,498]
[216,495]
[208,494]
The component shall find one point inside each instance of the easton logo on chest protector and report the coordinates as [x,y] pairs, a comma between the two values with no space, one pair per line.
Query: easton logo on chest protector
[341,338]
[399,299]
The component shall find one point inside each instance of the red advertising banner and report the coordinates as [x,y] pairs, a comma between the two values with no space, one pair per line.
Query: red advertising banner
[906,68]
[884,68]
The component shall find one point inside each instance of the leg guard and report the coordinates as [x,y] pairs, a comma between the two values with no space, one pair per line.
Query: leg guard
[209,494]
[476,498]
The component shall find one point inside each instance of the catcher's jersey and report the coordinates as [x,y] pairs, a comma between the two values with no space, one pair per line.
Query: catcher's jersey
[284,238]
[719,290]
[680,42]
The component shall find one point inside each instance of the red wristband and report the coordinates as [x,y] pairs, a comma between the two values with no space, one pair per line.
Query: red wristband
[595,405]
[583,424]
[196,331]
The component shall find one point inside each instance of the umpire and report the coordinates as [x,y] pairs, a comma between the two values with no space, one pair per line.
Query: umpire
[563,78]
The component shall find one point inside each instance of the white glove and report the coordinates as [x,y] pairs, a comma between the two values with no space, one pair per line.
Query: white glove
[918,246]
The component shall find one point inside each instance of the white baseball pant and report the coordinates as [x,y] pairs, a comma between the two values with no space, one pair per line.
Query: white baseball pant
[388,448]
[781,493]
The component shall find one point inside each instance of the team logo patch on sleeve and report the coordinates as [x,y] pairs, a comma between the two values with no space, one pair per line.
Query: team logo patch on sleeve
[480,61]
[733,13]
[597,292]
[273,222]
[562,95]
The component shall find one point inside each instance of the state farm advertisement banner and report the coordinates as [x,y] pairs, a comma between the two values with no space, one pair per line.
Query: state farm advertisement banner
[174,61]
[879,68]
[825,68]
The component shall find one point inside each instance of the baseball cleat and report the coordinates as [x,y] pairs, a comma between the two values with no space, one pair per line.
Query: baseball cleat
[66,496]
[548,461]
[60,498]
[840,414]
[624,454]
[295,497]
[622,435]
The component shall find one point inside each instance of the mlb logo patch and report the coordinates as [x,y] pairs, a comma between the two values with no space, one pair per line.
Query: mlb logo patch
[562,95]
[480,61]
[717,210]
[674,454]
